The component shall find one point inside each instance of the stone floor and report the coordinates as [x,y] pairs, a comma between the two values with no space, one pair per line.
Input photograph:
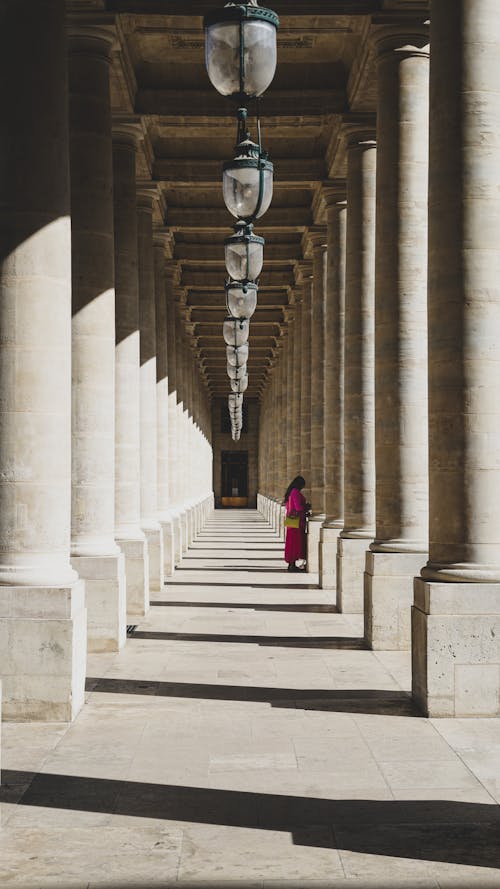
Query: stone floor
[246,738]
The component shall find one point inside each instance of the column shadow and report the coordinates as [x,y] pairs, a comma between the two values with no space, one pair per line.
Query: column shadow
[334,642]
[251,606]
[443,831]
[387,702]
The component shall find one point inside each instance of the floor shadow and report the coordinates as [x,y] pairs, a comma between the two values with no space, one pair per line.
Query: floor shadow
[253,606]
[256,558]
[223,568]
[336,642]
[446,831]
[286,587]
[386,702]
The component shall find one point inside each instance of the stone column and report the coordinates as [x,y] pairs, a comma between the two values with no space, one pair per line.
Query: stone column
[290,457]
[128,532]
[334,384]
[305,381]
[297,390]
[42,606]
[160,242]
[94,552]
[181,425]
[173,434]
[456,616]
[318,515]
[148,430]
[359,432]
[396,554]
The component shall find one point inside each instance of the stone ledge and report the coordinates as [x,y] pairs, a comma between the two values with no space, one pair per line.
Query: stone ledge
[433,597]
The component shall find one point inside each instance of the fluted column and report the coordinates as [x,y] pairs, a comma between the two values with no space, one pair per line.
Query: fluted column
[128,532]
[334,383]
[160,241]
[173,432]
[456,617]
[359,431]
[42,607]
[290,458]
[95,554]
[400,542]
[297,390]
[318,317]
[305,382]
[147,322]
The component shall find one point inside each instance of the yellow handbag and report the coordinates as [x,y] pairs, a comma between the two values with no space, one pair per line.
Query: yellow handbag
[292,521]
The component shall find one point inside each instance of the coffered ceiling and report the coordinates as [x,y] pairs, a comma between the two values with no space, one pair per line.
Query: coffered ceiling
[325,77]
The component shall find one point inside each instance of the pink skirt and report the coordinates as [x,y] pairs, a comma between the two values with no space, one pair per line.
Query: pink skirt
[295,544]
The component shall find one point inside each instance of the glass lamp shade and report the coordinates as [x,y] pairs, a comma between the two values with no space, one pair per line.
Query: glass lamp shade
[240,385]
[236,373]
[241,299]
[247,184]
[237,356]
[240,49]
[235,331]
[244,254]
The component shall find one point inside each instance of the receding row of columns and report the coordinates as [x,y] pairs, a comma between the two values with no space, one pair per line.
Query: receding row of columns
[104,424]
[401,457]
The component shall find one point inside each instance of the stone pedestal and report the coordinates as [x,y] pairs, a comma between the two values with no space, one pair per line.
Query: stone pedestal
[388,585]
[314,526]
[43,642]
[351,554]
[328,546]
[456,649]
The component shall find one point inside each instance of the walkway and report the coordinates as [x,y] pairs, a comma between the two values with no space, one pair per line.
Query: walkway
[245,737]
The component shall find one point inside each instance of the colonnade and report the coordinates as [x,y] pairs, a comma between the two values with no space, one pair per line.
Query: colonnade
[104,418]
[405,472]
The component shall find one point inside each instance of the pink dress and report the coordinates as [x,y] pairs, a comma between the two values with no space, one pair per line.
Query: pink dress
[295,540]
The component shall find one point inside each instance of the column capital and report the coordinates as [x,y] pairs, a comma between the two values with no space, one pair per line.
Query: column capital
[173,272]
[334,193]
[147,193]
[163,239]
[91,35]
[314,239]
[126,130]
[358,131]
[303,270]
[408,37]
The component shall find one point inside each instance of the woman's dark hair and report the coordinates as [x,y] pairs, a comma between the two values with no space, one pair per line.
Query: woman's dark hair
[298,483]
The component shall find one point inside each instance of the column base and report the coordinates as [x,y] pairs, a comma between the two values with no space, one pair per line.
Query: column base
[351,554]
[313,534]
[388,588]
[456,649]
[168,536]
[137,576]
[328,543]
[105,594]
[154,540]
[43,652]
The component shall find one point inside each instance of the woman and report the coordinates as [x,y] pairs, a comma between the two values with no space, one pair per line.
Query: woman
[296,506]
